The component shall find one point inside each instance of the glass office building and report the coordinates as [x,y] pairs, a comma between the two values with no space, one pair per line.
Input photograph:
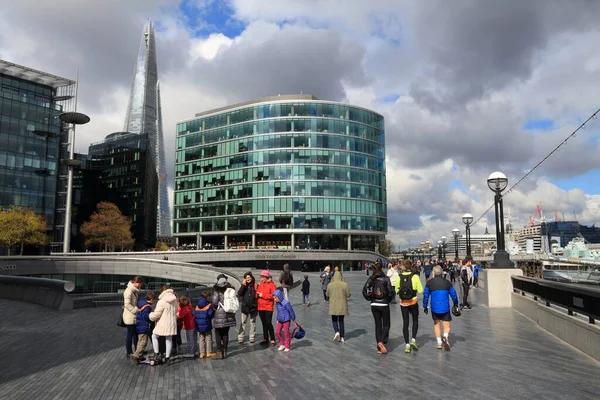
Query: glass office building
[126,172]
[31,136]
[281,172]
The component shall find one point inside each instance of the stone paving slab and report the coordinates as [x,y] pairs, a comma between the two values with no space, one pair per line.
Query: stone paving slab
[496,354]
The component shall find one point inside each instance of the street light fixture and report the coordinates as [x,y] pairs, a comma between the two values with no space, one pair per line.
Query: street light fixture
[439,250]
[444,239]
[467,219]
[497,182]
[455,233]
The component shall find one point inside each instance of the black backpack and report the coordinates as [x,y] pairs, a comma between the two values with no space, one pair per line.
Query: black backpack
[406,291]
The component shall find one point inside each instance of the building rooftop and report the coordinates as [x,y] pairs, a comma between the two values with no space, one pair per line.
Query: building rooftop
[260,100]
[33,75]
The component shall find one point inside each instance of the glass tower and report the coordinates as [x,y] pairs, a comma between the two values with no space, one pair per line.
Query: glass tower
[144,117]
[31,136]
[281,172]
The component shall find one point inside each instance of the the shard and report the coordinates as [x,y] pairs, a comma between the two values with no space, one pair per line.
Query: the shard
[144,116]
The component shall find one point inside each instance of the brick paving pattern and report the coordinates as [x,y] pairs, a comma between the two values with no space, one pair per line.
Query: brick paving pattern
[496,354]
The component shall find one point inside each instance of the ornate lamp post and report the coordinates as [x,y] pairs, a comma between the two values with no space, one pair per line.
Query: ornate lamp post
[467,219]
[497,182]
[439,250]
[444,239]
[455,233]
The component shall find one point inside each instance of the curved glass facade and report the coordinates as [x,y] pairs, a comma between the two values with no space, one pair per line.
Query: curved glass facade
[291,172]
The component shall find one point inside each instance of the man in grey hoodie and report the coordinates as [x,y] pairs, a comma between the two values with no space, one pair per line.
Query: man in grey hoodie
[286,279]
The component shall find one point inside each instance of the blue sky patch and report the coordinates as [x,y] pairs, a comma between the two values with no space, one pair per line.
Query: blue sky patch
[391,98]
[215,16]
[588,182]
[538,125]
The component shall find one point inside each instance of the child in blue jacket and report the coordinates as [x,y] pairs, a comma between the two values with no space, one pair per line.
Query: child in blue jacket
[204,313]
[285,314]
[143,325]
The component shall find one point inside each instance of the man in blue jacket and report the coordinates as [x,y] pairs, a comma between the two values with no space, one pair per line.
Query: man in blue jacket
[439,289]
[476,274]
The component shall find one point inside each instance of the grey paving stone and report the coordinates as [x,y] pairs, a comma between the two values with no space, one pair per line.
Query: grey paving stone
[496,354]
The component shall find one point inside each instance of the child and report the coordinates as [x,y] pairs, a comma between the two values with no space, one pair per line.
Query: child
[306,291]
[186,315]
[143,326]
[203,315]
[285,314]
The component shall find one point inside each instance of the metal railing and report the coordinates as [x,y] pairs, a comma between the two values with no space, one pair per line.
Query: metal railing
[574,298]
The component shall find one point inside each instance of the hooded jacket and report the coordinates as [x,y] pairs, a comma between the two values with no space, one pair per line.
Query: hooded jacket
[286,279]
[222,319]
[247,293]
[285,312]
[338,293]
[165,314]
[142,320]
[130,299]
[265,303]
[203,314]
[186,315]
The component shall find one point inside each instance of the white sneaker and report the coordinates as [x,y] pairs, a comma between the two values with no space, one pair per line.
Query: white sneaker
[281,348]
[286,350]
[342,340]
[336,337]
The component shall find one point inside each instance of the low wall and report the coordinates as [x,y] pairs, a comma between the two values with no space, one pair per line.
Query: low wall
[571,329]
[50,293]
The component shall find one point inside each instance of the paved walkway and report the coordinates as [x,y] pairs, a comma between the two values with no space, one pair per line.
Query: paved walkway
[496,354]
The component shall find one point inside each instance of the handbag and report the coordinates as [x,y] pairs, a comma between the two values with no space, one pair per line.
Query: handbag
[120,321]
[299,332]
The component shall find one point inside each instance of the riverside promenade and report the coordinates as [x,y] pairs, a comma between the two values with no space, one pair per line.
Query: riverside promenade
[496,354]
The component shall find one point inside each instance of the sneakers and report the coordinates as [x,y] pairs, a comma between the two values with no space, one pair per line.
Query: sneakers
[251,341]
[240,342]
[438,346]
[211,355]
[407,348]
[286,350]
[264,342]
[445,343]
[281,348]
[336,337]
[342,340]
[381,348]
[203,355]
[272,343]
[413,345]
[308,304]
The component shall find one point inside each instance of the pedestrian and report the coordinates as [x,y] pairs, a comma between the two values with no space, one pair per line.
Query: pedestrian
[439,289]
[143,326]
[130,309]
[203,314]
[409,286]
[306,291]
[476,270]
[186,315]
[325,279]
[285,314]
[392,273]
[165,316]
[286,279]
[338,293]
[266,304]
[249,307]
[427,270]
[222,320]
[466,277]
[378,290]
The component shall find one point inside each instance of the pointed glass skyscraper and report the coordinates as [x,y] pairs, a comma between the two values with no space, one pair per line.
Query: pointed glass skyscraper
[144,116]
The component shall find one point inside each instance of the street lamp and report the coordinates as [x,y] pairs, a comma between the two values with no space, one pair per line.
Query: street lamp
[444,247]
[497,182]
[439,250]
[455,233]
[467,219]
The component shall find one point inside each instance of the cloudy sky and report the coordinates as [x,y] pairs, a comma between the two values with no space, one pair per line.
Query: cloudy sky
[466,90]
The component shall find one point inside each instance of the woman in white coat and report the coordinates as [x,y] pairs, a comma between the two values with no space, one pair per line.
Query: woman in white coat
[130,300]
[165,315]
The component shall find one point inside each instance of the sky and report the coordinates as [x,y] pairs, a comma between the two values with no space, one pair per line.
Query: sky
[466,89]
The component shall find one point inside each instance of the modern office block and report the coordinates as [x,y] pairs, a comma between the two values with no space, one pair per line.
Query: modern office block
[284,171]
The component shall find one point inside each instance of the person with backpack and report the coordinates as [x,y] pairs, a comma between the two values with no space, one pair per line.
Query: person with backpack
[392,273]
[466,277]
[247,293]
[439,289]
[225,303]
[266,304]
[203,314]
[143,326]
[378,290]
[286,279]
[409,286]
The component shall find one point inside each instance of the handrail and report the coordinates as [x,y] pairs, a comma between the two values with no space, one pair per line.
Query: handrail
[51,293]
[56,284]
[575,298]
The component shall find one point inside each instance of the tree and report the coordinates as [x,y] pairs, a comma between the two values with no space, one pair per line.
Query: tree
[21,226]
[386,247]
[161,246]
[107,228]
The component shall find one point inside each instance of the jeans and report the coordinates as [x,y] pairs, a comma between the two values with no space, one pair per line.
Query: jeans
[338,324]
[242,330]
[325,295]
[222,338]
[475,281]
[266,317]
[141,345]
[284,341]
[406,312]
[131,339]
[168,344]
[306,299]
[465,300]
[381,315]
[191,340]
[206,342]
